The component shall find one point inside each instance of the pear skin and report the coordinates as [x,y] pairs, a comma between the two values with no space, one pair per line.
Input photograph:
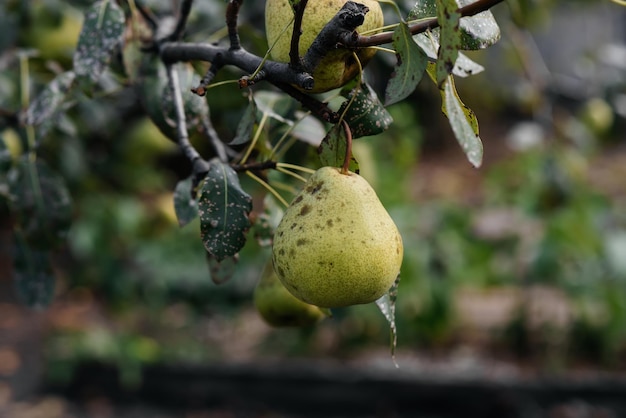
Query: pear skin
[338,66]
[336,245]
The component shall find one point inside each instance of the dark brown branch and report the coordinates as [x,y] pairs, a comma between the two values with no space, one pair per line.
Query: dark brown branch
[420,27]
[294,50]
[346,160]
[232,15]
[339,30]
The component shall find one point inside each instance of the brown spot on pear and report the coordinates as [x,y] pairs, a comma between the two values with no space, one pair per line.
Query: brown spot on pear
[338,266]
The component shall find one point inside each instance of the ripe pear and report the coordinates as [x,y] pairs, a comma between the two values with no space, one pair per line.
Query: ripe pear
[336,245]
[339,66]
[280,308]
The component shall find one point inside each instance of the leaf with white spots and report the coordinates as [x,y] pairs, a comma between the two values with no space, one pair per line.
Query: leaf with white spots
[224,208]
[50,99]
[409,68]
[449,18]
[102,33]
[366,115]
[463,67]
[477,32]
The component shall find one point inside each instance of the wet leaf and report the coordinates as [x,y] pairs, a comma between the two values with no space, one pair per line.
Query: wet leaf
[387,305]
[332,150]
[449,17]
[246,124]
[477,32]
[409,68]
[102,33]
[224,208]
[463,123]
[463,67]
[42,204]
[33,275]
[185,205]
[50,100]
[366,114]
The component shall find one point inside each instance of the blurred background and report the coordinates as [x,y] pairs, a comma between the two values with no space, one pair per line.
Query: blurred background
[512,300]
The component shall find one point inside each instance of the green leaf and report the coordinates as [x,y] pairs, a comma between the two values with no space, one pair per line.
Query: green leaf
[33,275]
[332,150]
[185,205]
[423,9]
[463,67]
[448,16]
[410,66]
[246,124]
[366,114]
[479,31]
[50,100]
[223,208]
[42,203]
[387,306]
[463,122]
[102,33]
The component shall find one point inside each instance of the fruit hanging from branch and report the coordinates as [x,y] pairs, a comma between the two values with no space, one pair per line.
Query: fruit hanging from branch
[336,245]
[339,65]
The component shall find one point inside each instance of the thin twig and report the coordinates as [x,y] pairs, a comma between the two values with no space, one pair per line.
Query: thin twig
[198,164]
[346,160]
[232,15]
[294,50]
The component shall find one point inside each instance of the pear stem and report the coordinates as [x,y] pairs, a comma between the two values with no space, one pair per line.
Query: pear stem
[346,160]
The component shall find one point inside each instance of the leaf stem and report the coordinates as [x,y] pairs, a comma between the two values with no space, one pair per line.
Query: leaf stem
[291,173]
[296,167]
[268,188]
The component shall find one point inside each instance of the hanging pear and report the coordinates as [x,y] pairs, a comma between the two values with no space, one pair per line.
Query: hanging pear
[278,307]
[336,245]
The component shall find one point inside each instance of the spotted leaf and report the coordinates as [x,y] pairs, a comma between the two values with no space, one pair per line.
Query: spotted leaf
[223,207]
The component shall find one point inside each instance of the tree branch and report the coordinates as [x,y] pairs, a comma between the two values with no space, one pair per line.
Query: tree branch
[199,165]
[232,15]
[294,51]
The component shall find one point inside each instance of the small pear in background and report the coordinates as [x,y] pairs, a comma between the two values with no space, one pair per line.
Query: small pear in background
[278,307]
[336,245]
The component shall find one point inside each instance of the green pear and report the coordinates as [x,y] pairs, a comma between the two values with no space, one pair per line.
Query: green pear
[336,245]
[338,66]
[280,308]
